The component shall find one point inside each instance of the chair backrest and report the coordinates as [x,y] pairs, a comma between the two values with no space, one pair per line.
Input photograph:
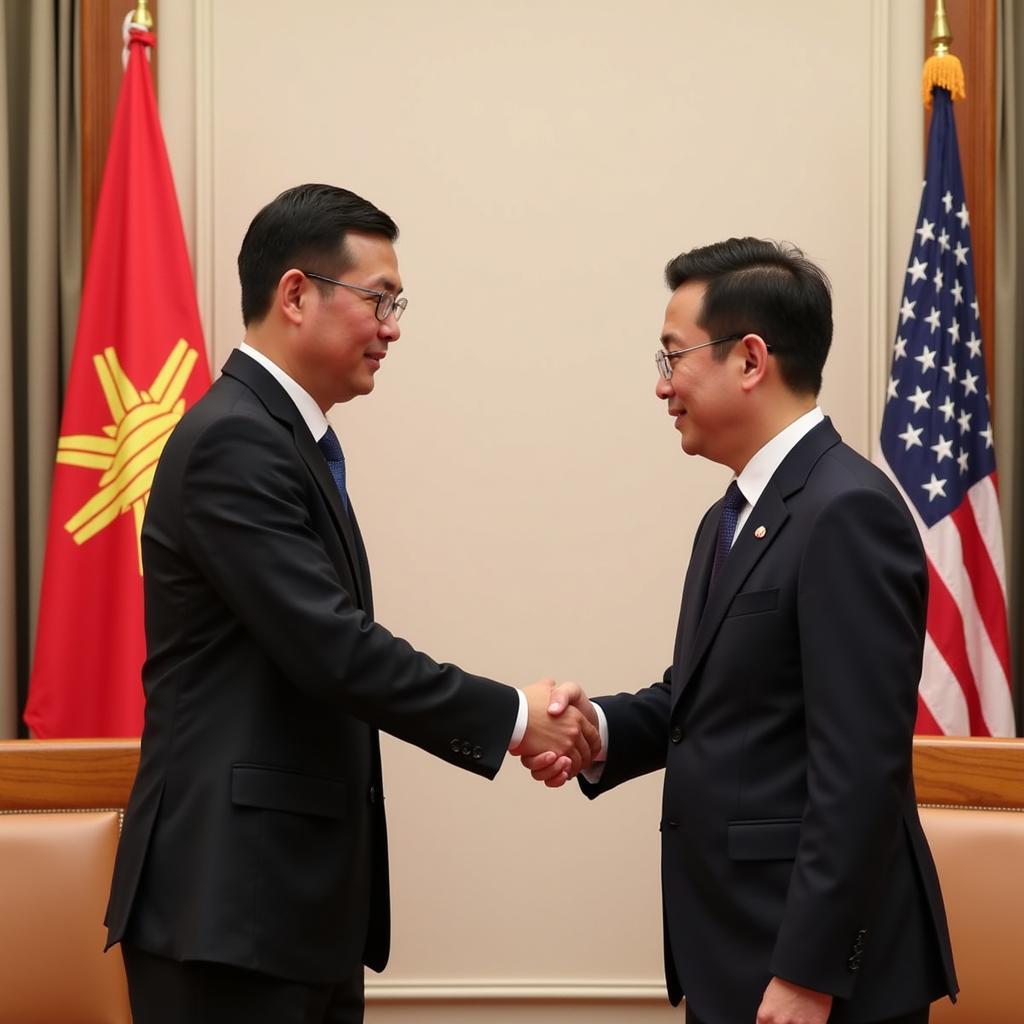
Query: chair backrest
[60,815]
[971,795]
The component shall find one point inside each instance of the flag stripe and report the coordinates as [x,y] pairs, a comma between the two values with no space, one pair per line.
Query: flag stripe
[941,693]
[926,724]
[985,499]
[988,594]
[946,628]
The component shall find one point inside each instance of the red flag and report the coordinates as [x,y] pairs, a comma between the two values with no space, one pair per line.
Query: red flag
[139,362]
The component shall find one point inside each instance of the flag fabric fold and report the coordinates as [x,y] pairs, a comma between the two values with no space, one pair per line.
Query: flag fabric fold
[936,444]
[139,361]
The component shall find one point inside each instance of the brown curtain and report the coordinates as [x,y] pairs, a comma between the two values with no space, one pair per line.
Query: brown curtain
[1009,383]
[39,284]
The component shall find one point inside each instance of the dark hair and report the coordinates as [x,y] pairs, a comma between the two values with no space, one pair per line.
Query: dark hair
[304,227]
[766,288]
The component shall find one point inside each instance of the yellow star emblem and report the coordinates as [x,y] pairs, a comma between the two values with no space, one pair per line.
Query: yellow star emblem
[128,449]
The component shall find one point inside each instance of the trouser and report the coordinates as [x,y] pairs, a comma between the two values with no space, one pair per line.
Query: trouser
[164,991]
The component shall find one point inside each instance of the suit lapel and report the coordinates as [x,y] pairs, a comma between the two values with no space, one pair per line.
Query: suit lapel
[700,620]
[276,401]
[317,465]
[696,586]
[364,564]
[770,512]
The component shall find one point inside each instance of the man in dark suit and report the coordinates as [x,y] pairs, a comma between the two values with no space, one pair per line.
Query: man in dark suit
[251,881]
[797,883]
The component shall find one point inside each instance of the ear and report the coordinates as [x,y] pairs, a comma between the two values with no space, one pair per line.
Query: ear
[291,296]
[755,360]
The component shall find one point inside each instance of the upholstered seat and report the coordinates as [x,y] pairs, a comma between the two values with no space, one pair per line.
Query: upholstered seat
[60,810]
[53,889]
[971,794]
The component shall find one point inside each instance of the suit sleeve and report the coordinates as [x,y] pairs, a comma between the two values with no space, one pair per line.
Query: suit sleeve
[637,735]
[861,605]
[247,525]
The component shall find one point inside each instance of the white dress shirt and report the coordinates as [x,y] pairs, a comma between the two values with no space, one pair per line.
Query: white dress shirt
[311,413]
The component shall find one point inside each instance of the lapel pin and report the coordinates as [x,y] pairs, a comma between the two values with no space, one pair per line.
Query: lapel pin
[760,532]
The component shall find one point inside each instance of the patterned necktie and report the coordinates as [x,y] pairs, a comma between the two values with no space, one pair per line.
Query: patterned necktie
[331,448]
[731,505]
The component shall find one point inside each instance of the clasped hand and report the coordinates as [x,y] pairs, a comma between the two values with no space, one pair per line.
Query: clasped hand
[562,737]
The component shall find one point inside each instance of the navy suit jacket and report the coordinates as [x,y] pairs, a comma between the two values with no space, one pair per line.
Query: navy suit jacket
[255,831]
[791,843]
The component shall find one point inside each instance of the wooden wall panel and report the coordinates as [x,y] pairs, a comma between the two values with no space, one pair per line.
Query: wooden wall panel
[101,22]
[973,26]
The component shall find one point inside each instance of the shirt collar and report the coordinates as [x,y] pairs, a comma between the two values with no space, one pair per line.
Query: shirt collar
[310,412]
[760,469]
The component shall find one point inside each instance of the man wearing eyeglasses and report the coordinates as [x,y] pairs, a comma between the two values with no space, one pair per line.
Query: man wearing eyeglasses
[798,886]
[251,882]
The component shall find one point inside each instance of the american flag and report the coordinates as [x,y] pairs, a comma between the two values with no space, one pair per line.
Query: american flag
[936,444]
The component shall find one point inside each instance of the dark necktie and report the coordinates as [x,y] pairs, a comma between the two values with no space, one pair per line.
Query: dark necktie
[331,448]
[731,505]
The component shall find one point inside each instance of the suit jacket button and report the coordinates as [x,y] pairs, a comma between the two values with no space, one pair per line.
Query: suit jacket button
[467,748]
[477,753]
[373,794]
[677,735]
[456,746]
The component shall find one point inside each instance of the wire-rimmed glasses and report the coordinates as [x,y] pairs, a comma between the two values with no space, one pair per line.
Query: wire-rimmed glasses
[663,357]
[387,303]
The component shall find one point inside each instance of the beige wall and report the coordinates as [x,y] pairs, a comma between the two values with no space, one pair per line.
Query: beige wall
[524,500]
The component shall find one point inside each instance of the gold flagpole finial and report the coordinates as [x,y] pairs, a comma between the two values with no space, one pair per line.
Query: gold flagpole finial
[145,19]
[942,69]
[941,35]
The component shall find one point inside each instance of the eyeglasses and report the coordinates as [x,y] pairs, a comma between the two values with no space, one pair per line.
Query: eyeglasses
[386,302]
[663,357]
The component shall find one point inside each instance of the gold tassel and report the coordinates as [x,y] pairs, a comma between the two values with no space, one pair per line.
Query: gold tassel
[945,71]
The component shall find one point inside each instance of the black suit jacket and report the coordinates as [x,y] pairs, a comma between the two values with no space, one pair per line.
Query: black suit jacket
[255,830]
[791,843]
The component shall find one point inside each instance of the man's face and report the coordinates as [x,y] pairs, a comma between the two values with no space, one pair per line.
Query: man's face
[342,341]
[702,393]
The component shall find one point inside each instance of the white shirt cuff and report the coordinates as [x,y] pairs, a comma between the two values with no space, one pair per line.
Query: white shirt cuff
[596,770]
[521,719]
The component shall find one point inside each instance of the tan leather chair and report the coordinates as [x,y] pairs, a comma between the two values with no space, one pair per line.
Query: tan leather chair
[60,811]
[971,794]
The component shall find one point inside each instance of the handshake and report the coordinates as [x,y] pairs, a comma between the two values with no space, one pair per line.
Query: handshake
[562,736]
